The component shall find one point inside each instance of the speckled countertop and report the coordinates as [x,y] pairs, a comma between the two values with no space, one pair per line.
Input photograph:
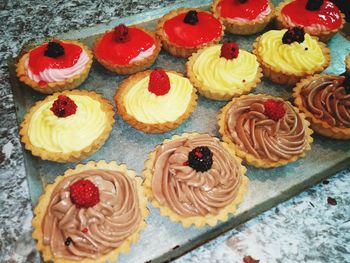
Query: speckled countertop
[303,229]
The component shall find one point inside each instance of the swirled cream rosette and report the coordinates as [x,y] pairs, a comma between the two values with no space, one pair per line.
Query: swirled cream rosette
[218,78]
[262,141]
[326,104]
[71,138]
[66,232]
[53,80]
[289,63]
[188,195]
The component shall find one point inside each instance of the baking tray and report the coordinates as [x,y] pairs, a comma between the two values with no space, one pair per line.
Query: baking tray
[163,240]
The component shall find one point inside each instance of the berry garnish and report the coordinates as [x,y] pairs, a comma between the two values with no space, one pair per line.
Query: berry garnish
[294,34]
[200,159]
[274,109]
[68,241]
[346,82]
[191,17]
[229,50]
[84,193]
[54,50]
[159,82]
[314,5]
[63,106]
[121,33]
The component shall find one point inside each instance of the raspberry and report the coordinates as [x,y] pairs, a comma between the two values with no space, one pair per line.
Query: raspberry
[191,17]
[314,5]
[54,50]
[159,82]
[84,193]
[63,106]
[200,159]
[274,109]
[229,50]
[121,33]
[295,34]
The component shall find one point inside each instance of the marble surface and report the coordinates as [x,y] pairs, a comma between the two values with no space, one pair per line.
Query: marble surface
[304,229]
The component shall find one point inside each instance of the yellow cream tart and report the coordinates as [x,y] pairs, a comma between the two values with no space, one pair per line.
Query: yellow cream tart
[155,101]
[90,214]
[67,126]
[286,56]
[223,71]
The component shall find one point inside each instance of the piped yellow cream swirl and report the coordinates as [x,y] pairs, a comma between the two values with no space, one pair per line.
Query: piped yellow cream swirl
[220,74]
[147,107]
[72,133]
[293,58]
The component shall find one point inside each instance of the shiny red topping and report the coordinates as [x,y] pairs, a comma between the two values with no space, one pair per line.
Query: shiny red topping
[159,82]
[274,109]
[84,194]
[229,50]
[43,57]
[205,30]
[63,106]
[243,9]
[122,53]
[327,14]
[121,33]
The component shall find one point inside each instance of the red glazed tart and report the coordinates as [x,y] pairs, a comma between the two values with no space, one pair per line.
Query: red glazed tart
[55,66]
[244,17]
[183,31]
[319,18]
[127,50]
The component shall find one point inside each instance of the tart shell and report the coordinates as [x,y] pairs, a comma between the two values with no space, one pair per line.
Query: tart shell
[249,158]
[133,67]
[74,155]
[125,85]
[52,87]
[197,221]
[177,50]
[318,125]
[40,210]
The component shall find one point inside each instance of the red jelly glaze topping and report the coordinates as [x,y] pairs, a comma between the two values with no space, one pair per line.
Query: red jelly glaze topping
[207,29]
[38,62]
[328,14]
[251,9]
[122,52]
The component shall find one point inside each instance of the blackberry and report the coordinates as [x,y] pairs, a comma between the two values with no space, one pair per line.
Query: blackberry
[294,34]
[191,17]
[314,5]
[200,159]
[54,50]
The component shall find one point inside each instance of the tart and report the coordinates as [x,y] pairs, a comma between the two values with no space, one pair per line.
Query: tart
[194,179]
[67,126]
[90,214]
[243,17]
[55,66]
[319,18]
[286,56]
[155,101]
[325,101]
[127,49]
[183,31]
[221,71]
[265,131]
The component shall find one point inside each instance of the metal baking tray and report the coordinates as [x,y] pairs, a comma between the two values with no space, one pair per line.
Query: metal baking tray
[163,240]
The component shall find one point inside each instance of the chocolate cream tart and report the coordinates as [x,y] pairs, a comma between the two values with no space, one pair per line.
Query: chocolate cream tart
[90,214]
[194,179]
[325,100]
[265,131]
